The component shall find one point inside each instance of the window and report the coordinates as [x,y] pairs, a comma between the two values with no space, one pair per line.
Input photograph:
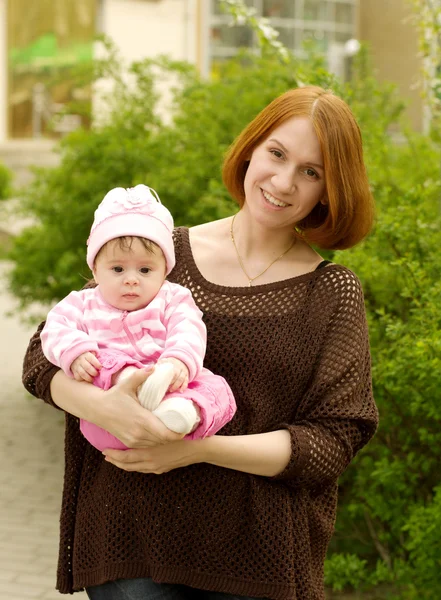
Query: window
[45,40]
[325,24]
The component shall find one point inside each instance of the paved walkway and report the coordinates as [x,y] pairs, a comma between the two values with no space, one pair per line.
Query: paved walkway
[31,459]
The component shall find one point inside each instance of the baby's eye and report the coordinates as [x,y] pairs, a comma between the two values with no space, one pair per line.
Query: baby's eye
[144,270]
[117,269]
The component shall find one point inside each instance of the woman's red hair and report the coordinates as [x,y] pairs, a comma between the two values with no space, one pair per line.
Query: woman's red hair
[348,214]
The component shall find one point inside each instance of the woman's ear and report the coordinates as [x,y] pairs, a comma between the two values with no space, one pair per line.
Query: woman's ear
[324,200]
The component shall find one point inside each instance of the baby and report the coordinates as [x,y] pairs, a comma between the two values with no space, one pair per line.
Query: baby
[134,319]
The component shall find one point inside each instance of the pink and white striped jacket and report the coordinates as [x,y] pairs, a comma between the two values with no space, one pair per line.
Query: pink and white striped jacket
[170,326]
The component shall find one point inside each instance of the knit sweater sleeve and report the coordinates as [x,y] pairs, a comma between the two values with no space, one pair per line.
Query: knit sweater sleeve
[337,415]
[37,370]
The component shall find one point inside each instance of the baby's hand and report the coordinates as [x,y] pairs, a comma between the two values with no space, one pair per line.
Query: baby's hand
[85,367]
[180,376]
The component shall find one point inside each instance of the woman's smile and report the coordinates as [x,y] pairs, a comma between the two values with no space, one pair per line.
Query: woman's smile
[274,201]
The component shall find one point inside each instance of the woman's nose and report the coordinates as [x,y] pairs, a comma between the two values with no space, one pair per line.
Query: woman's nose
[284,181]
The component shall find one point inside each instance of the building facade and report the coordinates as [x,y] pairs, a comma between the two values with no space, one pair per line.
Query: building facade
[389,28]
[43,40]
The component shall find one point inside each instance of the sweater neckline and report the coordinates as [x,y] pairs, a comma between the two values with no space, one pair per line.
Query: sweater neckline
[241,290]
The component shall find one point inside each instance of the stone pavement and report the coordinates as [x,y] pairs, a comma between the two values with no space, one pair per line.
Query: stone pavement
[31,459]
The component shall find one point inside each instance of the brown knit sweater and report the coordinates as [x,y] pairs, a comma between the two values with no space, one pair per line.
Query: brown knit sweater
[296,355]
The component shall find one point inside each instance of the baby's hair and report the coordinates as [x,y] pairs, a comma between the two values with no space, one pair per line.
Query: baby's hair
[125,243]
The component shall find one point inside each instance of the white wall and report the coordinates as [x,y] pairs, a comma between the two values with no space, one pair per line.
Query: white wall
[143,28]
[148,28]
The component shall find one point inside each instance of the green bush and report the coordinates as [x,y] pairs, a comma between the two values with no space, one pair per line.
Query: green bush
[423,543]
[387,497]
[345,571]
[5,182]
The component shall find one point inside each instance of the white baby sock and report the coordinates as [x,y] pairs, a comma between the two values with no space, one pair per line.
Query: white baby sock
[178,414]
[154,388]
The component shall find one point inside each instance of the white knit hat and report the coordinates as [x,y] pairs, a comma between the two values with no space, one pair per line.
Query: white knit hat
[133,212]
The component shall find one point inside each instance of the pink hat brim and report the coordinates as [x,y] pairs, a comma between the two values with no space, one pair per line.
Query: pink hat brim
[132,224]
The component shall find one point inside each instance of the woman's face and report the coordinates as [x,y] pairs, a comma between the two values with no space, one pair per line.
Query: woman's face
[285,178]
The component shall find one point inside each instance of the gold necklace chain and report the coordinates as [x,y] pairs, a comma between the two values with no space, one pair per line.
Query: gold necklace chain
[251,279]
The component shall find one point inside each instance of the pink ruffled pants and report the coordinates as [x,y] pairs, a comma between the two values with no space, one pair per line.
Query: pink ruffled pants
[211,393]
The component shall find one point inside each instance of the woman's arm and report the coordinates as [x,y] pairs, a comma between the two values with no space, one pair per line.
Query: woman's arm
[116,410]
[265,454]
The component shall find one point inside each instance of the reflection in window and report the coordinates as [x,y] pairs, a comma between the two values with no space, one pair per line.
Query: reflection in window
[315,39]
[344,13]
[217,10]
[45,40]
[287,37]
[279,8]
[314,10]
[320,24]
[341,37]
[231,37]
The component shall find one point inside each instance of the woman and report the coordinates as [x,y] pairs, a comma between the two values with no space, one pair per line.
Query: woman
[248,513]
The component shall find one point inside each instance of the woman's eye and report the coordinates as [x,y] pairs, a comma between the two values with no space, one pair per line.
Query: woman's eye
[117,269]
[311,173]
[145,270]
[277,153]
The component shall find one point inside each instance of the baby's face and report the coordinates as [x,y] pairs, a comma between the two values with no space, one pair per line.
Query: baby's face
[129,278]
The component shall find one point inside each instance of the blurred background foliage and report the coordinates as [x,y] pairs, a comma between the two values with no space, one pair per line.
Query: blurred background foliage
[6,179]
[389,519]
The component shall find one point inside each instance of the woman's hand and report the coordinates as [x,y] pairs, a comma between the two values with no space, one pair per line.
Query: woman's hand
[116,410]
[158,459]
[127,420]
[265,454]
